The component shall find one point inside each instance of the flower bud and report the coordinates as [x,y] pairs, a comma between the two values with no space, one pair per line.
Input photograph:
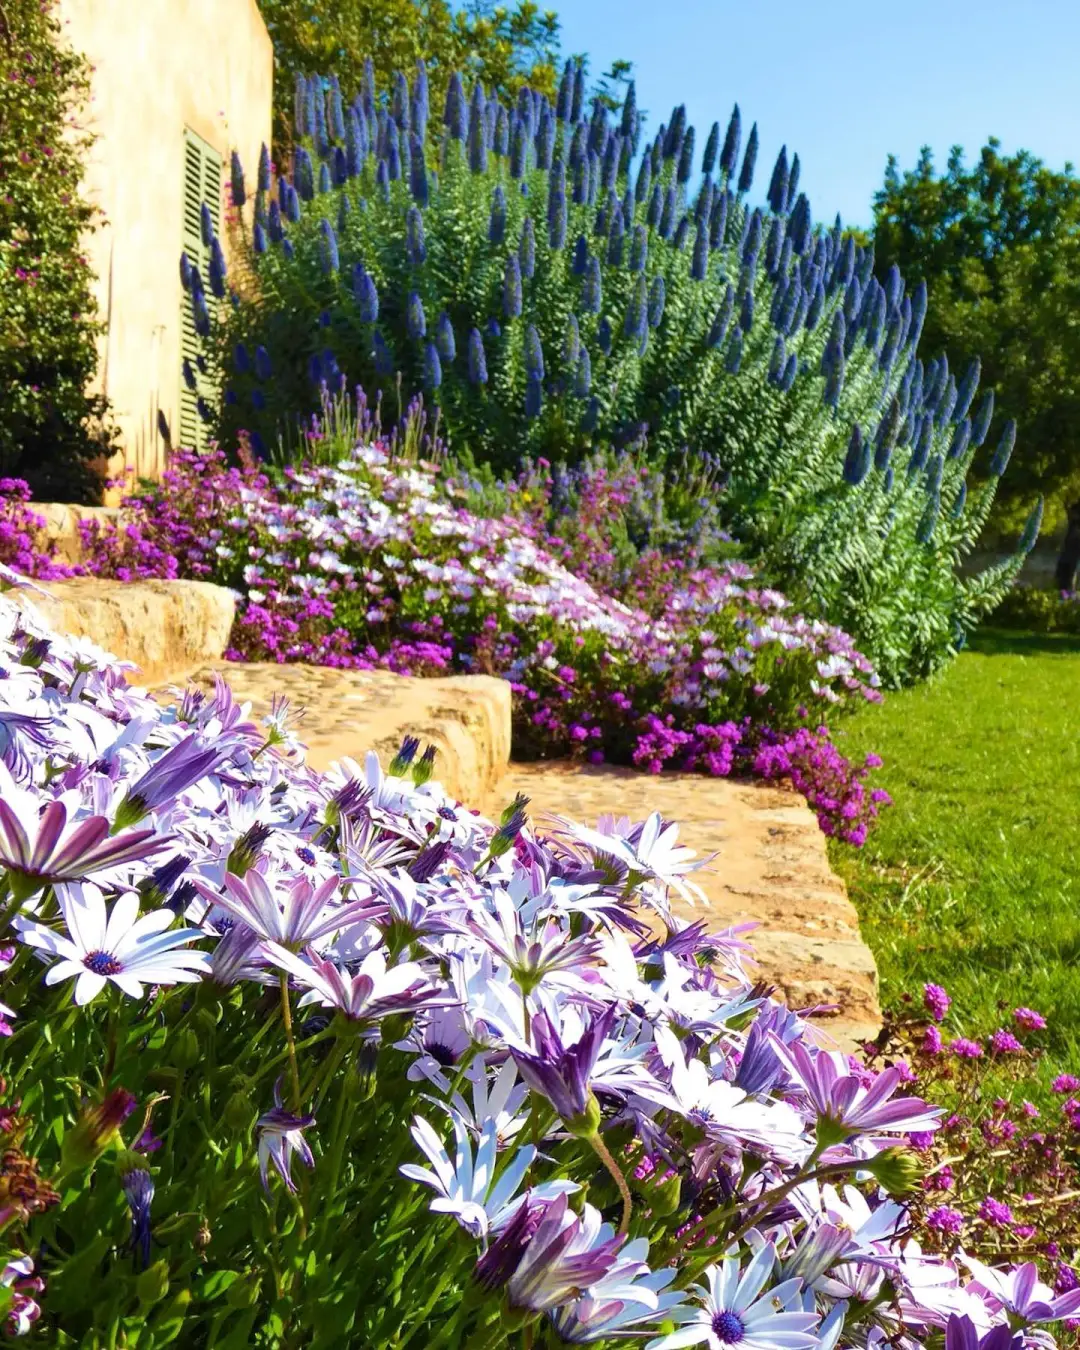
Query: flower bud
[896,1170]
[185,1048]
[95,1130]
[152,1285]
[239,1111]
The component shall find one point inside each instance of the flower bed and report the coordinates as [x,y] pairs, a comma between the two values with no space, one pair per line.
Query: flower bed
[368,559]
[256,976]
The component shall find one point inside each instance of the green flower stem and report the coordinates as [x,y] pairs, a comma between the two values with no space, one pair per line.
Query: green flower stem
[604,1154]
[286,1018]
[488,1337]
[337,1147]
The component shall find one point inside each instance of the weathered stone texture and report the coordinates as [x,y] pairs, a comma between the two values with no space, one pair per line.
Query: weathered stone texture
[167,628]
[349,712]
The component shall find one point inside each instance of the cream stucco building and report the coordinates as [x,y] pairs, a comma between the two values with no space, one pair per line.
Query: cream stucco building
[177,85]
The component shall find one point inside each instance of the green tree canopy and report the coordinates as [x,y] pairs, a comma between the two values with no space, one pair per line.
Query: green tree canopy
[998,245]
[51,429]
[503,47]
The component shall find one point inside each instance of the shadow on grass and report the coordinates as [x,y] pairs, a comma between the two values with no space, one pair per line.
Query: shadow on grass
[1020,642]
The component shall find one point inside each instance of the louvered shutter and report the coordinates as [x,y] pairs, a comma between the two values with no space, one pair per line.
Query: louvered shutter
[202,183]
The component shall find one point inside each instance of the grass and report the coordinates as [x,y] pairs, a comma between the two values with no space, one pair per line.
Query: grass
[972,878]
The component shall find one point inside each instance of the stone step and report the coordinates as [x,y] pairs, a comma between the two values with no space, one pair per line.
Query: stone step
[167,628]
[771,869]
[349,712]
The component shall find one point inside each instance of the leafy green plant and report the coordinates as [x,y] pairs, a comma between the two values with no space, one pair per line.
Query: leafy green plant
[51,428]
[553,294]
[1040,611]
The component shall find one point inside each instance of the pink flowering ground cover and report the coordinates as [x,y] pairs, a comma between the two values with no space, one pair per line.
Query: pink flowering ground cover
[658,657]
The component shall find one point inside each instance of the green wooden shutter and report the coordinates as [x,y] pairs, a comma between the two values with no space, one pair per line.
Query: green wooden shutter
[202,183]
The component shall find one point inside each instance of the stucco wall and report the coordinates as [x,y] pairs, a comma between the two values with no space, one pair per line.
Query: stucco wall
[159,65]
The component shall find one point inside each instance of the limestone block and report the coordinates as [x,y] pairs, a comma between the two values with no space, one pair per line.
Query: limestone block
[62,526]
[167,628]
[349,712]
[770,868]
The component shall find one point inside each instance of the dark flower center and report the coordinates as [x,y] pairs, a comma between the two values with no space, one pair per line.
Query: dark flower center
[102,963]
[728,1327]
[442,1054]
[306,856]
[447,813]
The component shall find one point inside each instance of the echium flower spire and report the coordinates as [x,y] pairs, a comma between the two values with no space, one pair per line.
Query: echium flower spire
[686,157]
[565,98]
[527,249]
[454,114]
[857,459]
[497,217]
[778,184]
[556,204]
[746,174]
[729,155]
[512,288]
[476,359]
[415,245]
[712,146]
[628,126]
[420,101]
[236,177]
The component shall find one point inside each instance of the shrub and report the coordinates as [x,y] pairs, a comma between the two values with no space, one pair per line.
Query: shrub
[257,979]
[52,431]
[1044,611]
[554,295]
[367,558]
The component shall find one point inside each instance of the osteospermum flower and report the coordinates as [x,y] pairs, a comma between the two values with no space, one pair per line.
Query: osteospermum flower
[738,1309]
[289,911]
[281,1134]
[549,1254]
[467,1187]
[375,991]
[845,1105]
[120,947]
[1021,1294]
[39,847]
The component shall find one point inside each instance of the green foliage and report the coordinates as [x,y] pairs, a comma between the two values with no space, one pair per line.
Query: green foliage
[998,244]
[970,878]
[503,47]
[746,357]
[1040,611]
[50,428]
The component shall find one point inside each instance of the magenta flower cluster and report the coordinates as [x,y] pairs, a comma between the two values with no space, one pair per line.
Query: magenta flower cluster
[998,1169]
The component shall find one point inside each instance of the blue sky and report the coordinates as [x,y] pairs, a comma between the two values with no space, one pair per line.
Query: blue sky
[846,83]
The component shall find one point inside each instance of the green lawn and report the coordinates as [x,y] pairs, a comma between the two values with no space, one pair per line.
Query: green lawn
[972,878]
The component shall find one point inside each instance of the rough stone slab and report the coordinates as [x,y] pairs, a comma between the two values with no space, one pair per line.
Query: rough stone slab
[771,869]
[349,712]
[167,628]
[62,526]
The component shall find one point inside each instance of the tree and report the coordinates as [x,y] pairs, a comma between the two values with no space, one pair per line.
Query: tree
[503,48]
[998,244]
[50,429]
